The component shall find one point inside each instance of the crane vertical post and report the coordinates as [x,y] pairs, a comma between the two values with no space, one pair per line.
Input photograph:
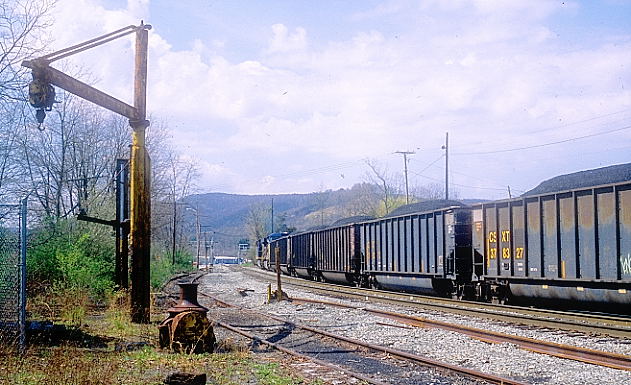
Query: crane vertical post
[121,273]
[140,216]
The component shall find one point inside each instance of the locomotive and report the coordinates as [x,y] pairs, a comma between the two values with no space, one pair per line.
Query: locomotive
[571,245]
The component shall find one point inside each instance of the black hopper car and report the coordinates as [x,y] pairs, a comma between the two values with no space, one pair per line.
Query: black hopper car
[266,254]
[568,240]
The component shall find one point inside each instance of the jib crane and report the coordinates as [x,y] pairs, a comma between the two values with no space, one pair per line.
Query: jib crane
[42,98]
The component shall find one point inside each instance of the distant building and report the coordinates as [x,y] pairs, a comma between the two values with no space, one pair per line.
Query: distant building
[223,260]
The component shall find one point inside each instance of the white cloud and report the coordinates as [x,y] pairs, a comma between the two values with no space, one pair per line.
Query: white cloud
[488,72]
[284,41]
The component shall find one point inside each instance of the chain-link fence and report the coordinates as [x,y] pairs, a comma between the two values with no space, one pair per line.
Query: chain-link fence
[13,274]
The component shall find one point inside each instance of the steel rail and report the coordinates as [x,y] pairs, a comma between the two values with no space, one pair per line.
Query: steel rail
[555,319]
[591,356]
[393,352]
[299,355]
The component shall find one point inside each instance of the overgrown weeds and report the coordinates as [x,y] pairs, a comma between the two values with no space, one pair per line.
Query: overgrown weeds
[68,306]
[71,270]
[68,255]
[271,373]
[162,268]
[69,365]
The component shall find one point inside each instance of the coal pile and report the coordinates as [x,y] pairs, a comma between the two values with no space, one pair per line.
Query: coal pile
[424,206]
[354,219]
[588,178]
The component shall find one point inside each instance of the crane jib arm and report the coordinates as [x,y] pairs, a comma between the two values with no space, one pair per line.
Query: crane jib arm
[82,90]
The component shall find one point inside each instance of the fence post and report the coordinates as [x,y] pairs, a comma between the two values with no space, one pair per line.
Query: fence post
[22,272]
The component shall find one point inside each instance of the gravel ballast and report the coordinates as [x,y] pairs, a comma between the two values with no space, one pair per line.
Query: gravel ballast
[451,347]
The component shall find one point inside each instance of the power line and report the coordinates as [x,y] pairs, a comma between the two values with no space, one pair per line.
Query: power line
[545,144]
[458,184]
[481,178]
[579,121]
[572,123]
[332,167]
[318,170]
[431,164]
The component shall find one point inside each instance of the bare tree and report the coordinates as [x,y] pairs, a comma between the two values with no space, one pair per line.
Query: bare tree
[22,27]
[256,221]
[363,200]
[22,23]
[388,187]
[433,191]
[322,200]
[180,175]
[70,163]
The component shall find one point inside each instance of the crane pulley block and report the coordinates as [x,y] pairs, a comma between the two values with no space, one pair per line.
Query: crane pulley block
[41,94]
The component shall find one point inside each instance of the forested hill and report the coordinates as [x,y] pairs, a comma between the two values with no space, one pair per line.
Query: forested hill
[231,217]
[229,213]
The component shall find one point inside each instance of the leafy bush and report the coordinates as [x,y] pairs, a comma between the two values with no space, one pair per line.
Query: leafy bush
[72,256]
[162,268]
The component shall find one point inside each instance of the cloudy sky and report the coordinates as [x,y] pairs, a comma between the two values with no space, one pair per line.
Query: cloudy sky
[294,96]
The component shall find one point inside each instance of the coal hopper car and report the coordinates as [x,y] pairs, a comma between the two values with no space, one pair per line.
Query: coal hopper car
[262,251]
[571,245]
[279,248]
[336,251]
[301,256]
[423,247]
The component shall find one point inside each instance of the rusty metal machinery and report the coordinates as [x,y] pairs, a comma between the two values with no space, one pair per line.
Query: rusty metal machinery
[41,95]
[187,328]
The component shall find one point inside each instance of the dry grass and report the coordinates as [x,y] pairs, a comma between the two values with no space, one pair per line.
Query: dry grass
[57,366]
[115,322]
[69,306]
[67,363]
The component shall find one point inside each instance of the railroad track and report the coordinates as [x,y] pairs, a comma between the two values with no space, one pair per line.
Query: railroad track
[452,369]
[590,356]
[611,325]
[325,370]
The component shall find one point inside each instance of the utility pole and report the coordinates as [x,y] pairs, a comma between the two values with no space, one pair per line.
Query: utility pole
[405,169]
[199,230]
[446,148]
[174,235]
[212,250]
[272,215]
[42,97]
[205,250]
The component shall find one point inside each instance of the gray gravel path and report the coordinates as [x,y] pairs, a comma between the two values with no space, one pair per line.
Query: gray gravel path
[454,348]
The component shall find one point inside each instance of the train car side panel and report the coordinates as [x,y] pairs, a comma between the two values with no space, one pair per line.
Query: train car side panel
[567,236]
[533,254]
[301,256]
[586,234]
[518,239]
[504,239]
[607,258]
[550,252]
[624,204]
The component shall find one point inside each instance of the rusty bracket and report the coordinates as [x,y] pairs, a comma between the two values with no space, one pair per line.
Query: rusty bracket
[113,223]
